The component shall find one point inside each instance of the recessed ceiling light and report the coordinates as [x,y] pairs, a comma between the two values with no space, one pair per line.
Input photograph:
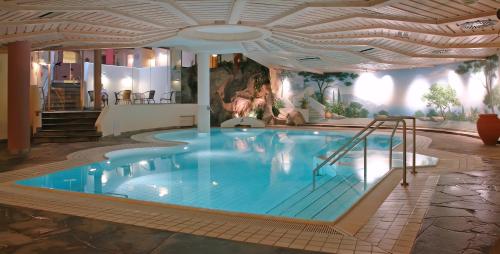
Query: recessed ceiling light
[470,1]
[308,59]
[440,51]
[471,25]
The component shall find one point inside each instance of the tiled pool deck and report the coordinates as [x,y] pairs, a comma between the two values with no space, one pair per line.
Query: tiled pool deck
[393,227]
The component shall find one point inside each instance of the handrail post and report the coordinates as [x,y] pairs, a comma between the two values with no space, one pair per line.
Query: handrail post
[314,180]
[391,143]
[365,164]
[404,183]
[414,170]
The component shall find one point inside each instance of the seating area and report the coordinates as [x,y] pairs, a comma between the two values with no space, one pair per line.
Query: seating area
[128,97]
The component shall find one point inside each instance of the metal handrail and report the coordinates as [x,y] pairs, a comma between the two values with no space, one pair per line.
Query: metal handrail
[364,133]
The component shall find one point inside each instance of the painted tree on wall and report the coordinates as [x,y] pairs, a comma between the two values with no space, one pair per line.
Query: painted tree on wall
[488,67]
[442,98]
[283,75]
[325,80]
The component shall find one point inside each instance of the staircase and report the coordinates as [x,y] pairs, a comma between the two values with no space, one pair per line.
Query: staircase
[65,95]
[315,116]
[333,196]
[67,127]
[316,110]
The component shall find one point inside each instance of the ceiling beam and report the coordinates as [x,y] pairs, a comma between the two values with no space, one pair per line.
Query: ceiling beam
[370,32]
[319,41]
[80,9]
[177,10]
[315,45]
[448,21]
[236,11]
[331,4]
[127,16]
[391,28]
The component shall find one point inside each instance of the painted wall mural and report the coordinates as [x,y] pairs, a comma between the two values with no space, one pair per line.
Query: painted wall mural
[447,96]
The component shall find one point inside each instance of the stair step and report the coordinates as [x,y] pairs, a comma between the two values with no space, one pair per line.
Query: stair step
[70,114]
[315,198]
[306,203]
[68,126]
[337,207]
[296,197]
[325,200]
[70,133]
[63,139]
[55,120]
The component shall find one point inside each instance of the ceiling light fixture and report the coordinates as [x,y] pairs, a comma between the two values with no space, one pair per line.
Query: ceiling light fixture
[471,25]
[440,51]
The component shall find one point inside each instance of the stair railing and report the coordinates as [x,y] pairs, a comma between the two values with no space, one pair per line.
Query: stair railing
[363,136]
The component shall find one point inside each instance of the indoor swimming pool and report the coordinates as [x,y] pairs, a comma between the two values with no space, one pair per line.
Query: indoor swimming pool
[254,171]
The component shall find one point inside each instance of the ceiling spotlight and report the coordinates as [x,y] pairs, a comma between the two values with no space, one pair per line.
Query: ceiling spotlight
[471,25]
[440,51]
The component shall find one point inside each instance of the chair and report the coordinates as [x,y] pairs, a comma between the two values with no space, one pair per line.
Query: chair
[104,97]
[168,97]
[150,96]
[137,97]
[124,95]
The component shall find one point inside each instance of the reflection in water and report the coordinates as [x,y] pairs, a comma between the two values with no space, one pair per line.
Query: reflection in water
[247,171]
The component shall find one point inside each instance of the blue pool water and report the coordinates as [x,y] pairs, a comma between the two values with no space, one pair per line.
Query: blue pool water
[258,171]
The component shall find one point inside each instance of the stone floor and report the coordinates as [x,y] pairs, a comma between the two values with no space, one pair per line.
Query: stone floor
[30,231]
[464,216]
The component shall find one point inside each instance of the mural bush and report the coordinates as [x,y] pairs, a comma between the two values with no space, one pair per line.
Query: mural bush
[432,113]
[419,114]
[279,104]
[382,113]
[336,108]
[356,110]
[442,98]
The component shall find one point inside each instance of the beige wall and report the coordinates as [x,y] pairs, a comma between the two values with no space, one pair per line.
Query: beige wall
[3,96]
[123,118]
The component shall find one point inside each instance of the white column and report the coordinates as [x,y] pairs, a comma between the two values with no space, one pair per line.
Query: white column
[203,92]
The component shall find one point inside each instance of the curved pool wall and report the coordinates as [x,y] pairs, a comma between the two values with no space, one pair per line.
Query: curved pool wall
[256,171]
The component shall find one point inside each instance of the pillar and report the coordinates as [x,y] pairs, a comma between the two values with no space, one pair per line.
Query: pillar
[203,92]
[97,79]
[18,111]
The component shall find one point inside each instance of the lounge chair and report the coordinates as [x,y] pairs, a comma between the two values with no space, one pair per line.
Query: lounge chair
[104,98]
[124,95]
[149,96]
[168,97]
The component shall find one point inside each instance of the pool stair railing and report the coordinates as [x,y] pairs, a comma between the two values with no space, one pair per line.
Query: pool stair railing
[362,136]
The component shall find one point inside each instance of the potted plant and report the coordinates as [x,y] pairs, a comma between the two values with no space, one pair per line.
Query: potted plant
[328,110]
